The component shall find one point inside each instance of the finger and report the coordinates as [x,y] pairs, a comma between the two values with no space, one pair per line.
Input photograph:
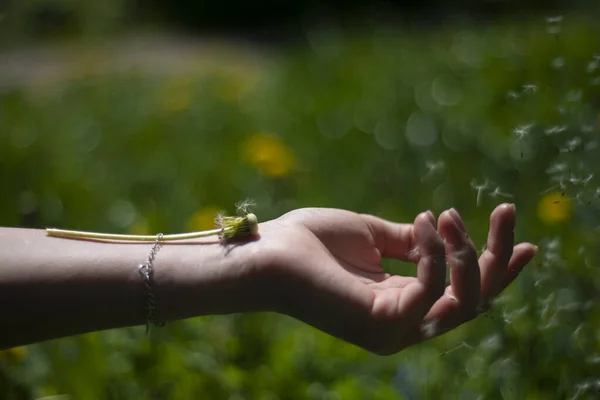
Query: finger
[412,301]
[418,298]
[523,253]
[393,240]
[446,314]
[494,260]
[461,256]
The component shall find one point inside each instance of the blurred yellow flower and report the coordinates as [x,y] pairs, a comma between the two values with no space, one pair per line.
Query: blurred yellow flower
[18,354]
[203,219]
[554,207]
[269,154]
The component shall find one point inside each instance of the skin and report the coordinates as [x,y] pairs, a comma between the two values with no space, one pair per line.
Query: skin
[321,266]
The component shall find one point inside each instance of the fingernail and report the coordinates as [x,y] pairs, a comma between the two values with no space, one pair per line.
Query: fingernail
[535,248]
[514,207]
[431,217]
[456,217]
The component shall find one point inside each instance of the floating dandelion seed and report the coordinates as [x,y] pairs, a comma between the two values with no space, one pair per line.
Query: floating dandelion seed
[522,130]
[513,95]
[555,129]
[530,88]
[594,359]
[433,168]
[555,20]
[587,128]
[574,95]
[586,386]
[429,328]
[554,24]
[480,189]
[243,207]
[558,167]
[463,344]
[558,63]
[497,192]
[571,145]
[591,145]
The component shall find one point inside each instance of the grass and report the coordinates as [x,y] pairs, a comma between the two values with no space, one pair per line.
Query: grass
[383,121]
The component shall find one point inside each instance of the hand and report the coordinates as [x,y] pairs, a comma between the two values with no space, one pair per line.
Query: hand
[325,266]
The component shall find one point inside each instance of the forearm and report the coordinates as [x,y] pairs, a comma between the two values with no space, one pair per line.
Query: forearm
[53,287]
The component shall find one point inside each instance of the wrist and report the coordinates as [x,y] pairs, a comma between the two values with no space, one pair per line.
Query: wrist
[208,278]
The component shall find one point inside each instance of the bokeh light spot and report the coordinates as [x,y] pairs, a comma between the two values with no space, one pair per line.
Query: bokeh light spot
[269,155]
[554,207]
[203,219]
[421,130]
[122,213]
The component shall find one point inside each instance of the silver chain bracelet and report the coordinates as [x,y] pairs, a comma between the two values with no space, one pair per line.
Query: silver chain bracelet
[146,271]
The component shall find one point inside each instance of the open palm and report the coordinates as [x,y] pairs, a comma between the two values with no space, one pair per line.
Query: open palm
[327,265]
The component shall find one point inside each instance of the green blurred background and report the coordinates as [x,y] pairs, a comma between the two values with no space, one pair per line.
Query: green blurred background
[118,116]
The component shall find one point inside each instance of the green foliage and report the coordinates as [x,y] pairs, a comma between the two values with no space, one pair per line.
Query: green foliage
[387,122]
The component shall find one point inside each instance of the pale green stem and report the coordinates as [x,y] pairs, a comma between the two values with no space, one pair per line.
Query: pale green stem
[138,238]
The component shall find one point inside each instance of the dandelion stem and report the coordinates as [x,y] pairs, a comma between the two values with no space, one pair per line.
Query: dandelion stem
[136,238]
[228,228]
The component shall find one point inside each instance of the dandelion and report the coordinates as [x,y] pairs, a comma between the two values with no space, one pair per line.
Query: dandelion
[228,228]
[269,155]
